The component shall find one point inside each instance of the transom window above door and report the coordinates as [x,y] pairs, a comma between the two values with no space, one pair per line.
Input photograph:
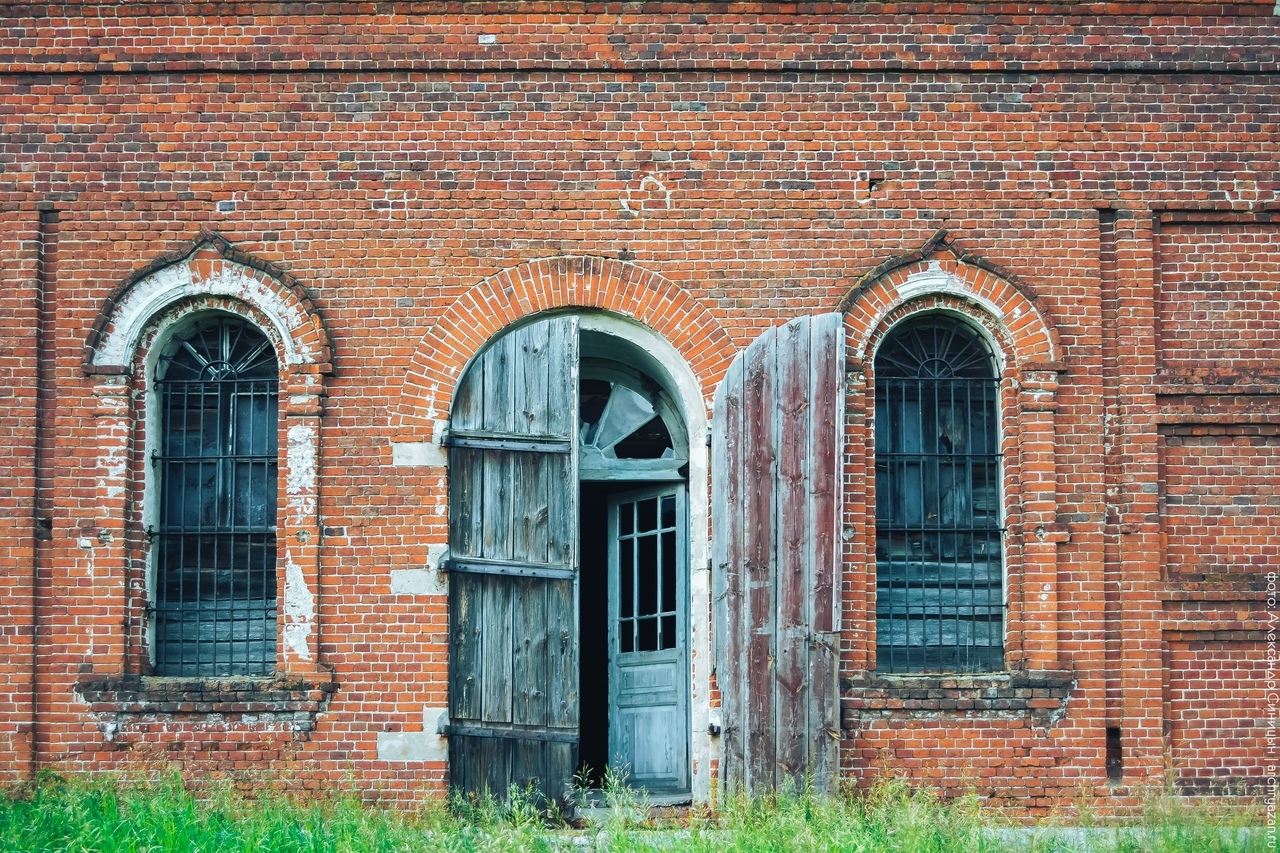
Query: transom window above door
[628,426]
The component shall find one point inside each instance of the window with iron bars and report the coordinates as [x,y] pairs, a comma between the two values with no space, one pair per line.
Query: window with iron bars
[939,555]
[214,609]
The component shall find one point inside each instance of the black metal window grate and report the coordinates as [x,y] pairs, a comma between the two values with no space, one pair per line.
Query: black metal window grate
[215,595]
[939,564]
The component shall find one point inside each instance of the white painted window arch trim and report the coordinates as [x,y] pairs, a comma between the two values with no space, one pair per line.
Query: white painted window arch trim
[137,329]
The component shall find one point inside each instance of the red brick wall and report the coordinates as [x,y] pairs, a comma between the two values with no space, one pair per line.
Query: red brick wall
[763,162]
[1218,300]
[1222,506]
[1215,714]
[19,351]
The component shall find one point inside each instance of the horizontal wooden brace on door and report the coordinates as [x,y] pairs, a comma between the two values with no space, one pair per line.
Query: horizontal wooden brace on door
[508,442]
[511,732]
[478,566]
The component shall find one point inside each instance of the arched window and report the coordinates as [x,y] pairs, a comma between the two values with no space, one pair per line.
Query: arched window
[215,538]
[939,570]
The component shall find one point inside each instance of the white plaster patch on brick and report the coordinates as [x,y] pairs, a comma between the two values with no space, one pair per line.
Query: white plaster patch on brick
[417,582]
[412,454]
[299,610]
[432,394]
[115,463]
[428,581]
[436,554]
[426,745]
[936,280]
[140,303]
[642,198]
[300,481]
[412,746]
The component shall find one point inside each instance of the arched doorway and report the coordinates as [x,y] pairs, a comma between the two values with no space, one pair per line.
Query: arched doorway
[569,588]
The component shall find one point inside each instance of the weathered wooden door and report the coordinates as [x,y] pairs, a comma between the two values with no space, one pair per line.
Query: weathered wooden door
[649,669]
[513,510]
[776,558]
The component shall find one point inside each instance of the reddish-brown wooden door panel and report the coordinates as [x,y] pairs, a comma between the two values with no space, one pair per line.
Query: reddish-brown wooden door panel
[777,437]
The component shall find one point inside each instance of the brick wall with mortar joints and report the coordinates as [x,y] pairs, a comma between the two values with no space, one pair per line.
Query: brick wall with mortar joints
[19,343]
[353,183]
[1217,740]
[1221,506]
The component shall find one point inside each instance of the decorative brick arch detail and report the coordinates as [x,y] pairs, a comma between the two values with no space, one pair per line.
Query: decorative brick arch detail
[1013,312]
[940,278]
[550,284]
[210,269]
[119,355]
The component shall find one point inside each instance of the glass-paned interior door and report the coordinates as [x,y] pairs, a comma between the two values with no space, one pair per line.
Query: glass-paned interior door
[649,669]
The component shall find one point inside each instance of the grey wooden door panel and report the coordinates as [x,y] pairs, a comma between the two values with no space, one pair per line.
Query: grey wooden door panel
[649,666]
[778,426]
[513,495]
[646,738]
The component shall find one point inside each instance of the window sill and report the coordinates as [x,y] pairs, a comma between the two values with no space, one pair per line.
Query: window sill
[1040,697]
[295,698]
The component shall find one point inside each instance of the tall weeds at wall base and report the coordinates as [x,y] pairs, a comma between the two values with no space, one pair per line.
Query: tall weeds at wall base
[108,814]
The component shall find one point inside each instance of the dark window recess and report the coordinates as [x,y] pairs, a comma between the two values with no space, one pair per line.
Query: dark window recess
[1115,757]
[621,422]
[939,571]
[215,545]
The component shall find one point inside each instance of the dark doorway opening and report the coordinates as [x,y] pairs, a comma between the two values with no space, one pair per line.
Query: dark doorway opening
[593,610]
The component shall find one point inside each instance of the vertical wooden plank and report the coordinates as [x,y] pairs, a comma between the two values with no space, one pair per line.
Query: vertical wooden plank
[825,492]
[562,378]
[827,439]
[527,765]
[465,673]
[562,470]
[529,666]
[496,645]
[759,560]
[531,354]
[563,619]
[496,752]
[532,492]
[498,409]
[468,400]
[794,552]
[561,762]
[727,527]
[459,765]
[497,504]
[562,654]
[466,502]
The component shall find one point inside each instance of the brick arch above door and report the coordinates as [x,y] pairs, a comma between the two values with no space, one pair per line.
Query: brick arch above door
[562,283]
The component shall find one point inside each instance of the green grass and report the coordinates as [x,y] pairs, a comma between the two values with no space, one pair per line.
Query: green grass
[104,814]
